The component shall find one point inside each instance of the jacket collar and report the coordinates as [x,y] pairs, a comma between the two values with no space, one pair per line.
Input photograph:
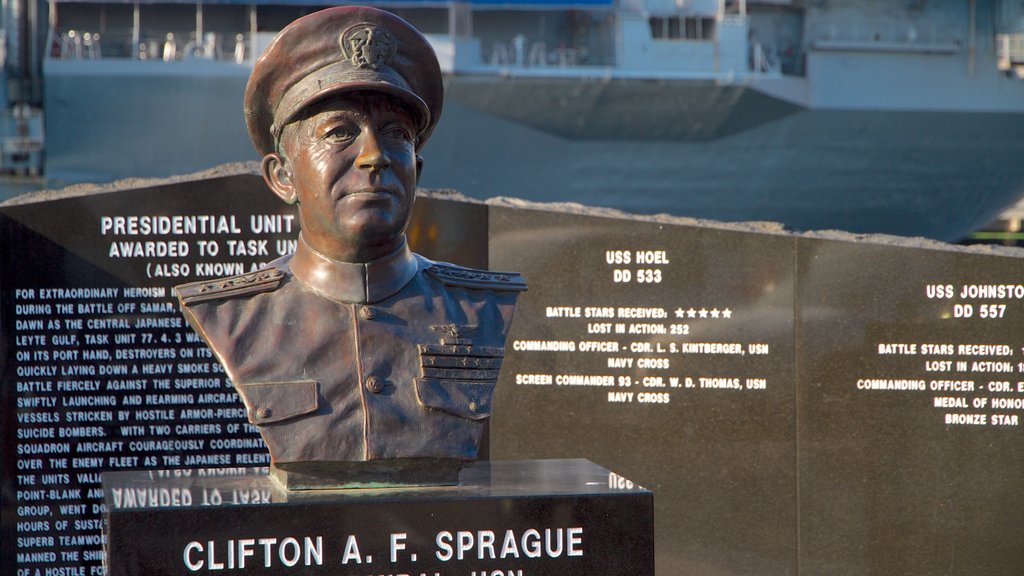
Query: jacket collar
[353,282]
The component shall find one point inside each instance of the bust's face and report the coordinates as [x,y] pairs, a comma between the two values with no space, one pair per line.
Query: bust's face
[351,164]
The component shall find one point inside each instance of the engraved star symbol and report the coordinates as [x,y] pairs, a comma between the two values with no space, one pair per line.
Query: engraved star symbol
[680,313]
[715,313]
[703,312]
[691,313]
[726,313]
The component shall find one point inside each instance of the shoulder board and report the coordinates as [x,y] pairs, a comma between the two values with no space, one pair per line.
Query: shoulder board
[480,279]
[264,280]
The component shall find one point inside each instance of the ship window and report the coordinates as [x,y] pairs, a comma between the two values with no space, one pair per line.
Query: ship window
[682,27]
[707,28]
[691,29]
[673,27]
[657,27]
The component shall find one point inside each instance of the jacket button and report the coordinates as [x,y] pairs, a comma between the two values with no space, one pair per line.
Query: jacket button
[473,407]
[262,412]
[374,385]
[368,313]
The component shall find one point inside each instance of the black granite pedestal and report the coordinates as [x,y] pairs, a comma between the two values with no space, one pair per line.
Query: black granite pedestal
[530,518]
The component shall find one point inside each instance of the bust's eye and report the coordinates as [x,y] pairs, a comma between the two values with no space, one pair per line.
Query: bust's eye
[340,133]
[398,133]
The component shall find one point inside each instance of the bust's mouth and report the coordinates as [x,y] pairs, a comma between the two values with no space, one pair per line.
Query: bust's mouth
[372,192]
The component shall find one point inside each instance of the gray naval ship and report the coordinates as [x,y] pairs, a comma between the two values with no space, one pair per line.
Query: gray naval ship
[896,116]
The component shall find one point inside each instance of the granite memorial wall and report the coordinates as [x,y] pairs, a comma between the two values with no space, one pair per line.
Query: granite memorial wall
[815,404]
[667,350]
[100,370]
[797,404]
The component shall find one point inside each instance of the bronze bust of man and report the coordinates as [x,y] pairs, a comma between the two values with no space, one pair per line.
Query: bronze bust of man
[361,362]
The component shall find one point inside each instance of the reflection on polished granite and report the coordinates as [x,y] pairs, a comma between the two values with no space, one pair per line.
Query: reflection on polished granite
[539,517]
[246,486]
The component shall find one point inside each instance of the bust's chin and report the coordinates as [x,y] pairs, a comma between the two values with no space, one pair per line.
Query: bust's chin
[362,244]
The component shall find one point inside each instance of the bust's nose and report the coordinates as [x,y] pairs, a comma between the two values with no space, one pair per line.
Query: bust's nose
[371,155]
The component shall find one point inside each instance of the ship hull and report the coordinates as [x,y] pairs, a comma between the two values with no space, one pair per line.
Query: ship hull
[732,155]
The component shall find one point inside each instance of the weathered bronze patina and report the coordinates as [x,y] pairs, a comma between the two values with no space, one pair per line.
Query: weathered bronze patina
[361,362]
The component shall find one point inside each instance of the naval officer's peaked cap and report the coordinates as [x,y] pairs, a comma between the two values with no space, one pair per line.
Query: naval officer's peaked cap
[338,50]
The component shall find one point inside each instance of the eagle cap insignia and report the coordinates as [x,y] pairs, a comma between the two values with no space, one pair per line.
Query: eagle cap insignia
[368,46]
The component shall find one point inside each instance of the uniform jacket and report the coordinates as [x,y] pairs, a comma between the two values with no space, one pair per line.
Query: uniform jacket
[335,361]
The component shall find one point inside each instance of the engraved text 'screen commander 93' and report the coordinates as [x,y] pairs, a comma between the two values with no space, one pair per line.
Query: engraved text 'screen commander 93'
[359,361]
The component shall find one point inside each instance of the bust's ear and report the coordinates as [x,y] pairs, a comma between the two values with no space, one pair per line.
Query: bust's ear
[419,167]
[278,177]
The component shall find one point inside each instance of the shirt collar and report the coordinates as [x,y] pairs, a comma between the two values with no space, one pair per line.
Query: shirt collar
[353,281]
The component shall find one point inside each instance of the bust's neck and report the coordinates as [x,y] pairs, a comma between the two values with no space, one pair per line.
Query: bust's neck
[355,282]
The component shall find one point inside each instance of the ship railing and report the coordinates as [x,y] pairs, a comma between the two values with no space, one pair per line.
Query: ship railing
[79,45]
[887,36]
[21,140]
[763,60]
[724,8]
[154,45]
[520,54]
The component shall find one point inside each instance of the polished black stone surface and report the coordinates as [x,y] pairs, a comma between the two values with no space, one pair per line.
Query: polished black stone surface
[100,371]
[819,471]
[911,401]
[884,440]
[557,517]
[719,452]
